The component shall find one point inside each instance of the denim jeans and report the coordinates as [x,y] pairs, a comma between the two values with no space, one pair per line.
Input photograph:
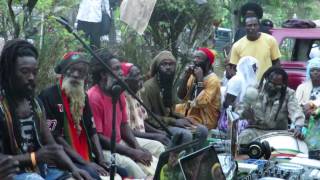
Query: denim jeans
[51,174]
[28,176]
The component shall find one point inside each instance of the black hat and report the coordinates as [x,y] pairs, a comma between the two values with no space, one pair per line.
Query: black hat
[69,59]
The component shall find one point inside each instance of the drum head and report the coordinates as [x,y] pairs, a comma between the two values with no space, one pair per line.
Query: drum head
[295,168]
[284,144]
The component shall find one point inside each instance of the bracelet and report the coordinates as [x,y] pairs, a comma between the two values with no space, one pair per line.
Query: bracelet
[200,84]
[33,159]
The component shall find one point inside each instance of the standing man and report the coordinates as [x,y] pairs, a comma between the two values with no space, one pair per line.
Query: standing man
[69,115]
[24,132]
[200,90]
[250,9]
[94,19]
[158,94]
[137,160]
[259,45]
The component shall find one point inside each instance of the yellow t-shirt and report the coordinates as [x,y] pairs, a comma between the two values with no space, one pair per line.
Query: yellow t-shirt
[265,50]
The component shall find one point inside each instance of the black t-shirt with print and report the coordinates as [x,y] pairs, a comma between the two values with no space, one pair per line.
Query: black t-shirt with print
[53,105]
[25,132]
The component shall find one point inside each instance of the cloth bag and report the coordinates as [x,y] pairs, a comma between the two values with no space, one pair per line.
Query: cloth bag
[105,24]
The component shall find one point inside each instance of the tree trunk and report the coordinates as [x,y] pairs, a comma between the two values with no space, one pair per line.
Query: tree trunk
[16,27]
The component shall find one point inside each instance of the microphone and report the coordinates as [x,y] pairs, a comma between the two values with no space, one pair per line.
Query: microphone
[116,90]
[251,96]
[63,22]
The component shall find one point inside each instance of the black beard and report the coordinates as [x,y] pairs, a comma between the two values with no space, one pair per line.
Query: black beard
[23,93]
[202,66]
[165,78]
[166,82]
[271,93]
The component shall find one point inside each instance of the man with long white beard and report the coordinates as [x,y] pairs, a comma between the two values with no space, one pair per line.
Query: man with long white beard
[69,116]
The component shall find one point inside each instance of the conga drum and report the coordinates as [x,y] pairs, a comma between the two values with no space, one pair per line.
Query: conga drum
[284,144]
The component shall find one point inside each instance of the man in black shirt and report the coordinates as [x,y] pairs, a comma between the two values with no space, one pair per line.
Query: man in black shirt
[69,115]
[24,135]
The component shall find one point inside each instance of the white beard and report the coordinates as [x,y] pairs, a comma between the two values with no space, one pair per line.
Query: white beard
[77,96]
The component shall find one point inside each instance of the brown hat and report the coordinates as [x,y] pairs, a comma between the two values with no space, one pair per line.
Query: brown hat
[163,55]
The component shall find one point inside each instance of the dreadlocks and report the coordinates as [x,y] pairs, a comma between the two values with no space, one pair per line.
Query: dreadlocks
[11,51]
[96,67]
[267,77]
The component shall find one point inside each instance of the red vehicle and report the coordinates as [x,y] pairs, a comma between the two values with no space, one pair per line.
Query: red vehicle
[295,45]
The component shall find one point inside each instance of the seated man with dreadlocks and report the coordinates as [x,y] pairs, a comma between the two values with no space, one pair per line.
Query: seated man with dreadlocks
[200,90]
[158,94]
[69,116]
[24,134]
[271,108]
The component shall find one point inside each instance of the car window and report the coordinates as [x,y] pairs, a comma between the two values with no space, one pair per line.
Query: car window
[315,50]
[293,49]
[286,48]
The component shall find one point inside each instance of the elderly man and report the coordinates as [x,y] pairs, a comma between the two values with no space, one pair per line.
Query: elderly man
[24,134]
[69,115]
[200,90]
[130,154]
[153,139]
[157,93]
[259,45]
[272,107]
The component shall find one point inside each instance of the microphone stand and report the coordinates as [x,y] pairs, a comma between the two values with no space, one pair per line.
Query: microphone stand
[115,92]
[106,66]
[122,85]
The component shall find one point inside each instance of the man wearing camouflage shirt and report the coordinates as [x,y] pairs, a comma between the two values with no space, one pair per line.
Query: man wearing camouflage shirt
[271,109]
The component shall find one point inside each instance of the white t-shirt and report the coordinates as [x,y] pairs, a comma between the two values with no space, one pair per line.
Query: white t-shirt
[234,87]
[91,10]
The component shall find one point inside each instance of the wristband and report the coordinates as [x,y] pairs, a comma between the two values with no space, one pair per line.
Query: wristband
[33,159]
[200,84]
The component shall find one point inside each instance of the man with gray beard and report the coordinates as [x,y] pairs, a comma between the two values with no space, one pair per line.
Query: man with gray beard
[69,116]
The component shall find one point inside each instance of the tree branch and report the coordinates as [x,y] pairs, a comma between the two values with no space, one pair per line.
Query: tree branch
[15,25]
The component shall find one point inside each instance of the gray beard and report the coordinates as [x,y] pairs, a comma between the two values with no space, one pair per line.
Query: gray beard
[76,96]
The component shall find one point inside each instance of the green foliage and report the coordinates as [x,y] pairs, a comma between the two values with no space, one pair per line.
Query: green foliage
[178,26]
[56,42]
[44,5]
[279,11]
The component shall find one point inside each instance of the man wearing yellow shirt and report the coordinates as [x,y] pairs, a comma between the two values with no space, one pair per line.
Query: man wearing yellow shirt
[200,90]
[259,45]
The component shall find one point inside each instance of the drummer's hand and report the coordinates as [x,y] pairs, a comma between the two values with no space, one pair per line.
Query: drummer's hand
[249,115]
[309,109]
[297,132]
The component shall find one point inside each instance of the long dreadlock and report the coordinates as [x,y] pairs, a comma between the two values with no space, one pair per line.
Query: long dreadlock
[267,77]
[95,66]
[12,50]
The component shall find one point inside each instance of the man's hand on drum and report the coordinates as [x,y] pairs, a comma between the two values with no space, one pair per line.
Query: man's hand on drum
[309,109]
[249,115]
[297,132]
